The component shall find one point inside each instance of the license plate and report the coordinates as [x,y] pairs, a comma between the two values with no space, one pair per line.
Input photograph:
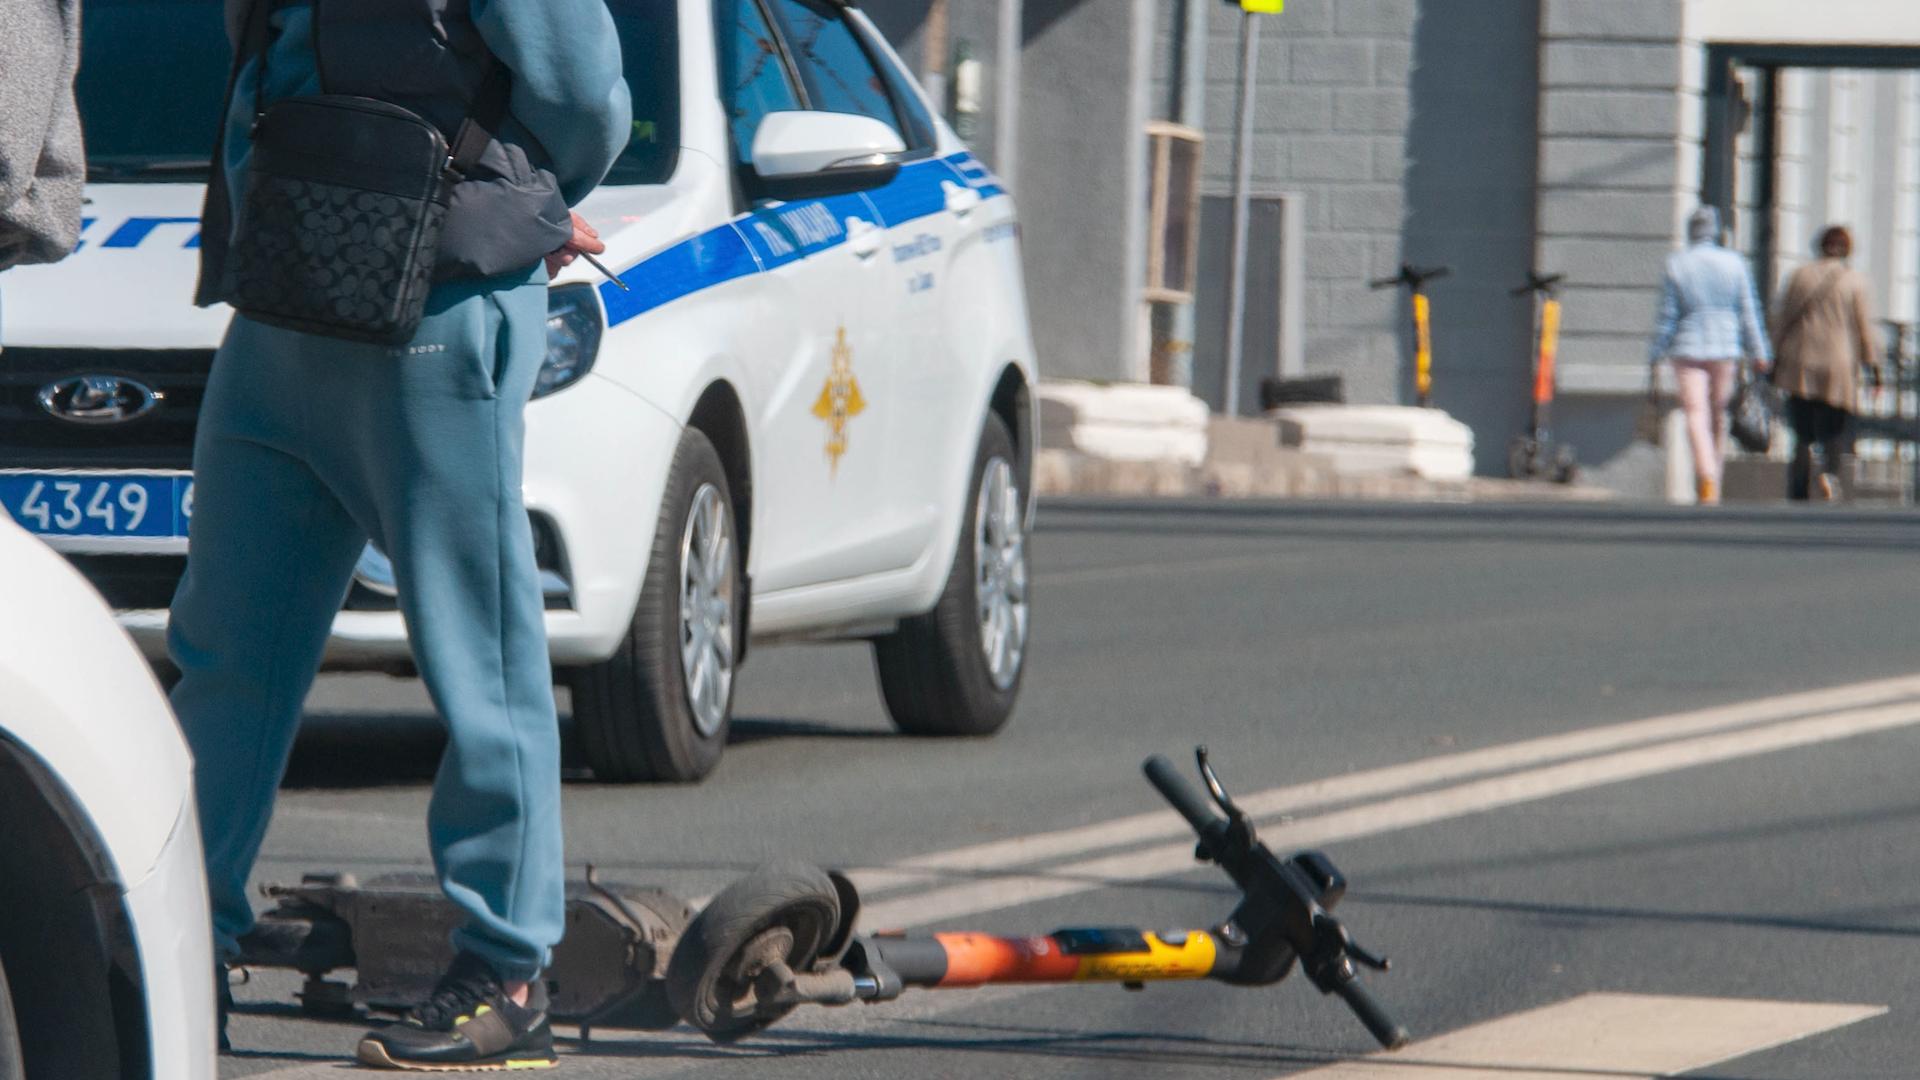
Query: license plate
[99,505]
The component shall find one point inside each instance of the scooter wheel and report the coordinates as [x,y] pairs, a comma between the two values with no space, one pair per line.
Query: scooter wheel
[1523,458]
[784,911]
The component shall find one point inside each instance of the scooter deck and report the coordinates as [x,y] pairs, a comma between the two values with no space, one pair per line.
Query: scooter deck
[393,933]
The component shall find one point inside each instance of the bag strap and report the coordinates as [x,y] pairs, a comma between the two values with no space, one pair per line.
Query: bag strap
[1813,299]
[484,113]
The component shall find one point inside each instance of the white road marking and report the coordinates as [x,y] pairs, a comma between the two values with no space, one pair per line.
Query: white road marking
[1405,812]
[937,868]
[1603,1037]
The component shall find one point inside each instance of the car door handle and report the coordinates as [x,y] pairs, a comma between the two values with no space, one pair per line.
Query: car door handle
[960,200]
[864,238]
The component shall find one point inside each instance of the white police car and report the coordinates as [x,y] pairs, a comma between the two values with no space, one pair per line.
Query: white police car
[807,415]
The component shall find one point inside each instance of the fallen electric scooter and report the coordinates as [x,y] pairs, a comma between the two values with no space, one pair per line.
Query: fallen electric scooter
[783,936]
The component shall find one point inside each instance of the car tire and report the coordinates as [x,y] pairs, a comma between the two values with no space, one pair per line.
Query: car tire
[12,1064]
[956,670]
[634,713]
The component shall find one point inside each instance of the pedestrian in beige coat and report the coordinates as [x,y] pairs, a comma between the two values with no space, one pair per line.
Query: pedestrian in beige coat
[1823,335]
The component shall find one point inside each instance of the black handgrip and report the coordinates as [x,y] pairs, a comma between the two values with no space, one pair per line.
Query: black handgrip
[1384,1028]
[1192,805]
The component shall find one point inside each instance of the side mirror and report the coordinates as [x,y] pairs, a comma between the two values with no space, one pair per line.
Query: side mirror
[802,154]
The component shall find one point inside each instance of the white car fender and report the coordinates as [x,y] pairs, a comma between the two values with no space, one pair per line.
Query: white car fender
[77,695]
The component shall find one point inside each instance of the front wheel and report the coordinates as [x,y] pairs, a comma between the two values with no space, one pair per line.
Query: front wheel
[956,670]
[658,708]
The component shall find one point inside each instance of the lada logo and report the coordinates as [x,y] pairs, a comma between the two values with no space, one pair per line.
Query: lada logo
[99,399]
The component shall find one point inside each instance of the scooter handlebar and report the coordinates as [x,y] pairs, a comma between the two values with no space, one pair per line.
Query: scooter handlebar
[1190,803]
[1383,1026]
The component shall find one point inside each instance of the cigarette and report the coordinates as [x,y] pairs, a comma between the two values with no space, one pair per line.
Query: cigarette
[602,267]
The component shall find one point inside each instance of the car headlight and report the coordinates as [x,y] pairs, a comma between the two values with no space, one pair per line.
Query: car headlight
[573,338]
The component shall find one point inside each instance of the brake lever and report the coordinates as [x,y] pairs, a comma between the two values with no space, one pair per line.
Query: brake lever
[1215,788]
[1377,963]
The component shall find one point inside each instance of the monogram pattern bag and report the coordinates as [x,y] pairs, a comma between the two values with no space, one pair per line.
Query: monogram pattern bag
[336,231]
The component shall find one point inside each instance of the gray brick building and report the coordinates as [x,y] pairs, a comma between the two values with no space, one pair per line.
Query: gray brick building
[1487,135]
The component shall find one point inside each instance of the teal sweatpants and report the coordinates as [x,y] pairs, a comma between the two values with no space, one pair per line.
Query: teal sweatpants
[308,446]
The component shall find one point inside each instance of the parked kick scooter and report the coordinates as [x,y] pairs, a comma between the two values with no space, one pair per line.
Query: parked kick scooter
[1415,279]
[1533,455]
[783,937]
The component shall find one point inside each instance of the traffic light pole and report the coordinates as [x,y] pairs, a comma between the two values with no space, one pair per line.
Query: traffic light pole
[1242,190]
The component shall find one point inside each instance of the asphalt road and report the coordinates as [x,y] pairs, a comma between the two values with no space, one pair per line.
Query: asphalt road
[1761,852]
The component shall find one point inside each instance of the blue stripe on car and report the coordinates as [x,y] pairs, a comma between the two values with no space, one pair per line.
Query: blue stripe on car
[768,238]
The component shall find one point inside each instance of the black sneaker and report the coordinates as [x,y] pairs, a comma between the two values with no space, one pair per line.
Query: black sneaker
[467,1024]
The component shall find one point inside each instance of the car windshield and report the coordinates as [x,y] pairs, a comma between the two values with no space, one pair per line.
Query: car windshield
[153,74]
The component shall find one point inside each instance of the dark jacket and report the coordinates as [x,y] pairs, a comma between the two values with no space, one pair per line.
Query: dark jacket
[568,114]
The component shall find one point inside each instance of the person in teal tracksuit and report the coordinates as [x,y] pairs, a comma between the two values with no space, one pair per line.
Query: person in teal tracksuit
[308,446]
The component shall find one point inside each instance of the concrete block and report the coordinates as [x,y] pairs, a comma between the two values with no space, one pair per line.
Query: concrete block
[1603,363]
[1339,256]
[1340,157]
[1392,63]
[1354,306]
[1606,262]
[1124,421]
[1619,164]
[1608,310]
[1639,214]
[1376,18]
[1374,439]
[1348,63]
[1302,17]
[1388,252]
[1286,108]
[1609,113]
[1376,208]
[1611,65]
[1384,111]
[1623,20]
[1389,159]
[1318,302]
[1339,352]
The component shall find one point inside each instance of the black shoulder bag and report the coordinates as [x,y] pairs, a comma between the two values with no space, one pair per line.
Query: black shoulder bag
[344,200]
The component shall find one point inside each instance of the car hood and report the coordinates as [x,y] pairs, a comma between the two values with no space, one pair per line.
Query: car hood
[129,284]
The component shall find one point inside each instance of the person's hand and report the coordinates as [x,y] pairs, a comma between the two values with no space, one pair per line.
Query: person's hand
[585,238]
[1762,366]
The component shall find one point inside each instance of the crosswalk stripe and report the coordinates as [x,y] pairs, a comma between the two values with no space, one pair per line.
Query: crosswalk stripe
[937,868]
[1603,1037]
[1405,812]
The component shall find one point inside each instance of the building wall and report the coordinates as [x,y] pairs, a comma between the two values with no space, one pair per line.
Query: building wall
[1331,124]
[1471,150]
[1081,183]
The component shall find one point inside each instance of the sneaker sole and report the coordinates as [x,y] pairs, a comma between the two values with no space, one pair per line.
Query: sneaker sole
[374,1054]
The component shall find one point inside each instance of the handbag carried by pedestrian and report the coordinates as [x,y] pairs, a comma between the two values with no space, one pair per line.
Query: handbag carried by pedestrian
[1647,427]
[1751,413]
[344,198]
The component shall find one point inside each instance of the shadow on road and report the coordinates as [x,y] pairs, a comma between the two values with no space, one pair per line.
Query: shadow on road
[1001,1039]
[337,750]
